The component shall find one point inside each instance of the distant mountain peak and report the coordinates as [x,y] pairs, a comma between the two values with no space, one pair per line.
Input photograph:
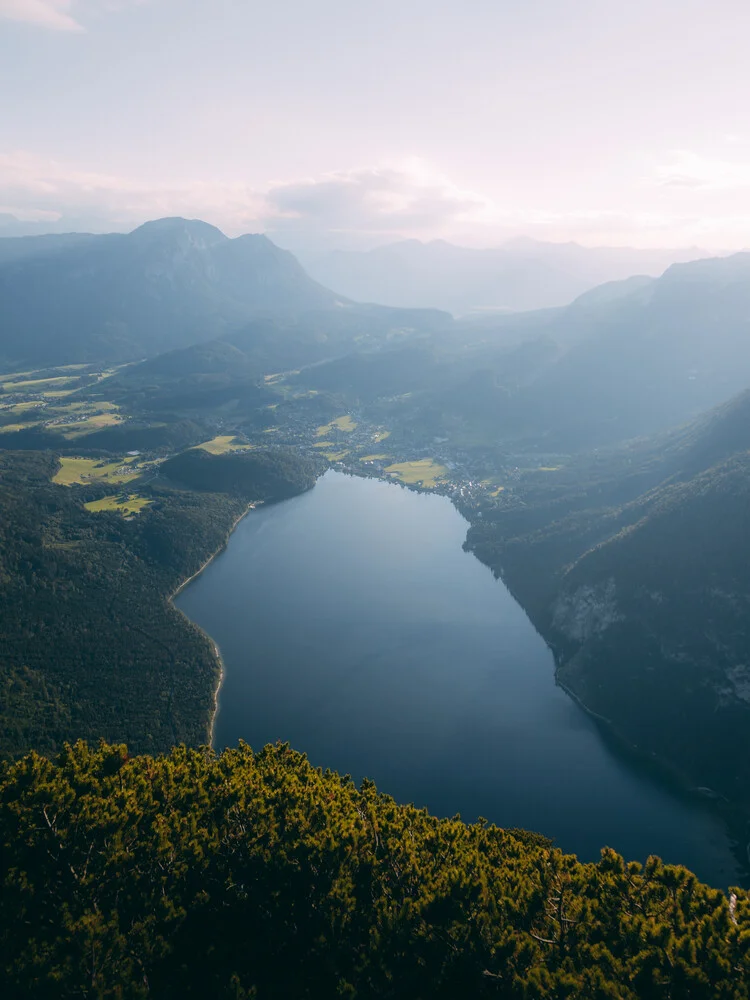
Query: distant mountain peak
[194,230]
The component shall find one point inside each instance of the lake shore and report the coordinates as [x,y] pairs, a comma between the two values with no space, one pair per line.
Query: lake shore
[214,646]
[361,603]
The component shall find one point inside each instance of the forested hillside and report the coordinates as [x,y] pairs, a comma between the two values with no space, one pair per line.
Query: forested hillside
[266,475]
[637,574]
[256,875]
[92,646]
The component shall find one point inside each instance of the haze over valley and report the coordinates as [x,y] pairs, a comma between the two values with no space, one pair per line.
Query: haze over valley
[374,501]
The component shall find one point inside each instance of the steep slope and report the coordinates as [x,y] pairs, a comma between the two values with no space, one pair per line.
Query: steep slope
[520,274]
[638,576]
[169,283]
[650,359]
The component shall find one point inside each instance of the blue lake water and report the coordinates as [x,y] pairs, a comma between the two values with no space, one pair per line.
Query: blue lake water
[353,625]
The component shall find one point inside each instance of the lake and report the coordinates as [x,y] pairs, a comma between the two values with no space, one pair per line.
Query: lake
[353,625]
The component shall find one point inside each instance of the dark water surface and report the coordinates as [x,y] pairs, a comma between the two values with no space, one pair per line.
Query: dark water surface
[353,625]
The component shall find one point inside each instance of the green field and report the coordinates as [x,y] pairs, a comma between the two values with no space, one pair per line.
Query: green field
[131,504]
[11,428]
[20,407]
[93,423]
[372,458]
[425,470]
[223,443]
[334,456]
[86,470]
[36,383]
[381,436]
[344,423]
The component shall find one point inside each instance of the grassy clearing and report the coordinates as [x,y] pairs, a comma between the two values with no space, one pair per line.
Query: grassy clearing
[223,443]
[344,423]
[58,393]
[10,428]
[36,383]
[61,409]
[549,468]
[89,425]
[86,470]
[372,458]
[381,436]
[324,444]
[125,505]
[425,470]
[335,456]
[20,407]
[497,492]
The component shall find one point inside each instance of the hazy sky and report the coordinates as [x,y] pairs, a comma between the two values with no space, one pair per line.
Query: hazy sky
[349,122]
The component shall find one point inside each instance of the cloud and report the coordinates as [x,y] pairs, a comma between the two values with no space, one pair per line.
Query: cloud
[687,169]
[362,208]
[52,14]
[31,185]
[409,198]
[56,14]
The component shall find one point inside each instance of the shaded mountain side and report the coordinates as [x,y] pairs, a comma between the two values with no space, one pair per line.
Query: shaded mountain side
[646,361]
[233,374]
[169,283]
[91,645]
[257,875]
[645,597]
[21,247]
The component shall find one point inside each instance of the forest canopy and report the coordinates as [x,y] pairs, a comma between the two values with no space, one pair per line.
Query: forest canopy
[256,875]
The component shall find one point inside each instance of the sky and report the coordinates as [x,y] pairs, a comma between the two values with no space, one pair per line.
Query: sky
[345,123]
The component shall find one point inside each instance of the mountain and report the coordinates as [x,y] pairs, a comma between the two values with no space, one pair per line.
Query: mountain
[22,247]
[635,570]
[117,297]
[647,360]
[520,274]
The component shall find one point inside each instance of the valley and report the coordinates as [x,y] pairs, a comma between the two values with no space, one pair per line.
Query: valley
[591,686]
[505,494]
[374,501]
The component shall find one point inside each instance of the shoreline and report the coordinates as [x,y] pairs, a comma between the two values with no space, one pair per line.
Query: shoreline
[216,651]
[735,819]
[714,801]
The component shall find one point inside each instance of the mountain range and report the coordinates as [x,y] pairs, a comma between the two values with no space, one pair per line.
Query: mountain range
[520,274]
